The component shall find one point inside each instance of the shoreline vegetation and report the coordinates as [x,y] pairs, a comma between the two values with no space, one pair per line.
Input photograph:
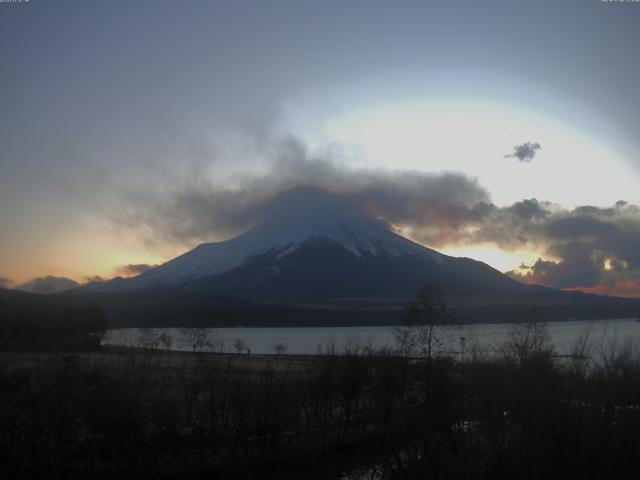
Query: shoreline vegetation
[71,408]
[153,412]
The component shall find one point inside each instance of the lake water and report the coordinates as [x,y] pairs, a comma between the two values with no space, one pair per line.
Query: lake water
[311,340]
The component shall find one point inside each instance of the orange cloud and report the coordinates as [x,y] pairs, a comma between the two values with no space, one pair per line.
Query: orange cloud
[133,269]
[621,288]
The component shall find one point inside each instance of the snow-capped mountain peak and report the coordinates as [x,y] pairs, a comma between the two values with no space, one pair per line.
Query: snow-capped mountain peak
[362,237]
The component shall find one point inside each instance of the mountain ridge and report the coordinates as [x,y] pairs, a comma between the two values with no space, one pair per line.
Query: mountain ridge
[311,260]
[304,258]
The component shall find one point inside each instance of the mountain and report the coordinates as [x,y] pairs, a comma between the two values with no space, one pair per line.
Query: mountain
[317,260]
[318,251]
[359,239]
[321,267]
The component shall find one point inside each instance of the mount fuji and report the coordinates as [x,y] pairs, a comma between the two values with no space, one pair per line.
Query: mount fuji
[320,258]
[315,245]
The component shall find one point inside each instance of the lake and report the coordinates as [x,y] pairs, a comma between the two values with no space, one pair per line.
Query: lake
[311,340]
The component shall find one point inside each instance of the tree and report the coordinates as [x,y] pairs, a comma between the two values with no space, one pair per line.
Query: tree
[165,339]
[279,348]
[216,341]
[423,315]
[528,341]
[147,339]
[197,338]
[239,345]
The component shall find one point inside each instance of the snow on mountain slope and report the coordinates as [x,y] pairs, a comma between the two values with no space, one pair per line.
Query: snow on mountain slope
[362,237]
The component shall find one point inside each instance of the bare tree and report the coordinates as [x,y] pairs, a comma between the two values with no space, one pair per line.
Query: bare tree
[279,348]
[579,353]
[217,341]
[423,315]
[614,354]
[405,340]
[527,341]
[239,345]
[147,339]
[165,339]
[197,338]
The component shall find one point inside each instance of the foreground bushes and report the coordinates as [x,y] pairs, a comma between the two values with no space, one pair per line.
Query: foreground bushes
[151,413]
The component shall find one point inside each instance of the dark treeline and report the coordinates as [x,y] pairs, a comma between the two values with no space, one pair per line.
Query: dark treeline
[522,414]
[50,321]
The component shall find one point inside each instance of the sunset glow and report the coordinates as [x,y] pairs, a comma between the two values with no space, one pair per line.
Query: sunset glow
[137,148]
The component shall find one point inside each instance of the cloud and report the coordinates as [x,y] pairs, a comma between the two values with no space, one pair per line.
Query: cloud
[576,269]
[191,211]
[95,279]
[5,282]
[525,152]
[580,247]
[588,247]
[133,269]
[623,287]
[48,284]
[579,226]
[529,209]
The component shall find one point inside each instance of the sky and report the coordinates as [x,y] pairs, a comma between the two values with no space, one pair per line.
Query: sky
[504,131]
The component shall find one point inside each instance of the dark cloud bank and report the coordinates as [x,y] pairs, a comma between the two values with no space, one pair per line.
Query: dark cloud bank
[48,284]
[589,247]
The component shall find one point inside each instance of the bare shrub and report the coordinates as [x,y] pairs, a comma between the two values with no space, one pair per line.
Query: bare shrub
[147,339]
[527,341]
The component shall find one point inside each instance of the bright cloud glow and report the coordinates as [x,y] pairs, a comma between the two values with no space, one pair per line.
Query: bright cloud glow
[474,137]
[499,259]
